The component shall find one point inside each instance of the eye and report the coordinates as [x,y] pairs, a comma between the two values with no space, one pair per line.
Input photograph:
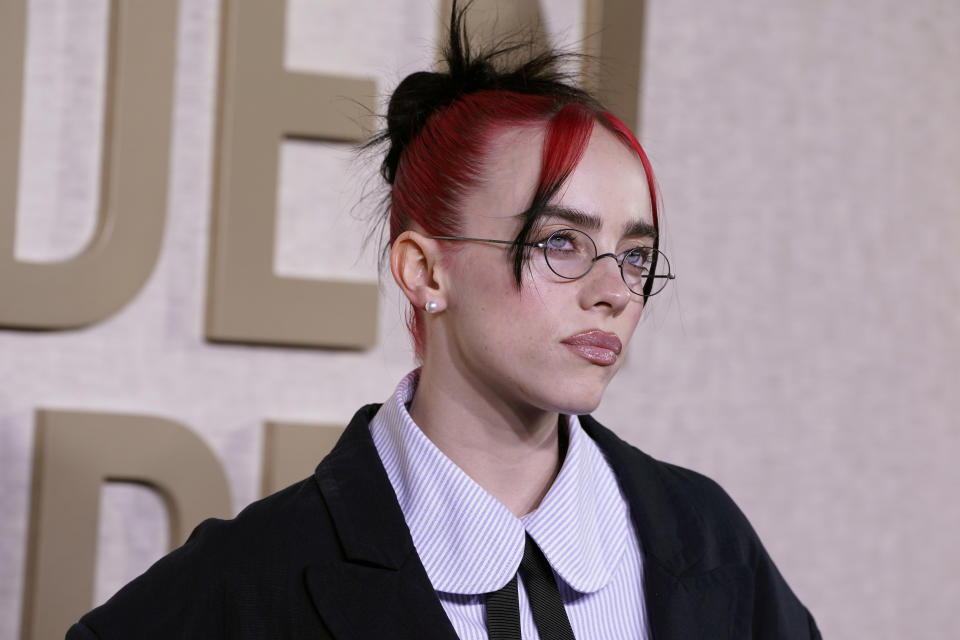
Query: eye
[637,257]
[565,241]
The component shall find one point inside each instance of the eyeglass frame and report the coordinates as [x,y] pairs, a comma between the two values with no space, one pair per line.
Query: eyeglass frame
[542,244]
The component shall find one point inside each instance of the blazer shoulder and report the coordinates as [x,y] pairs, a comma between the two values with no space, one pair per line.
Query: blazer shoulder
[246,576]
[226,573]
[698,535]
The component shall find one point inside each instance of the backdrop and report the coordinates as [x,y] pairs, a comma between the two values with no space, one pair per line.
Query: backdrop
[807,357]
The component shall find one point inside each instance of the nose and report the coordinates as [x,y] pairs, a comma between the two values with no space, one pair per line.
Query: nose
[603,286]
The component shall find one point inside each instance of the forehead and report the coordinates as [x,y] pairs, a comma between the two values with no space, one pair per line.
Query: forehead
[609,182]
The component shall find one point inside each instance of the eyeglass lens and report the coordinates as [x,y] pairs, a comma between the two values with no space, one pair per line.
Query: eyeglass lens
[571,254]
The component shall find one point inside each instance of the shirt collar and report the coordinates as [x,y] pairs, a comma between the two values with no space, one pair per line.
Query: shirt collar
[582,525]
[469,542]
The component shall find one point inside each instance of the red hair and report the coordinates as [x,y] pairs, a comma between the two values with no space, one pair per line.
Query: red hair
[443,163]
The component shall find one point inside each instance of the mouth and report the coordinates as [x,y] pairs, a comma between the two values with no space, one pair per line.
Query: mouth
[599,347]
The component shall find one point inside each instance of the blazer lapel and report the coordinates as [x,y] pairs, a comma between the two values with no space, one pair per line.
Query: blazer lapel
[379,588]
[360,602]
[686,595]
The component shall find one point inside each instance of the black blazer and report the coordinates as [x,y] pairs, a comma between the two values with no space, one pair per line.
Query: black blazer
[331,557]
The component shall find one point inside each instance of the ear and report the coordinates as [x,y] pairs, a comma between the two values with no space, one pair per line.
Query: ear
[415,261]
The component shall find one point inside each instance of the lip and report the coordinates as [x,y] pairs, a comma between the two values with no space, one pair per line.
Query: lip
[596,346]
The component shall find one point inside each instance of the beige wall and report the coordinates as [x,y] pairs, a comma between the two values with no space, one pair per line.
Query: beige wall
[809,155]
[807,359]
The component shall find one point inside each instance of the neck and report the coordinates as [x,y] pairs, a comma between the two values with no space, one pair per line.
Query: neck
[514,453]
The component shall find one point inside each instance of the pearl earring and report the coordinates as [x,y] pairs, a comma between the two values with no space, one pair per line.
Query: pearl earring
[432,306]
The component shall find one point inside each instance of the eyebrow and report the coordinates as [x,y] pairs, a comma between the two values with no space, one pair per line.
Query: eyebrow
[590,222]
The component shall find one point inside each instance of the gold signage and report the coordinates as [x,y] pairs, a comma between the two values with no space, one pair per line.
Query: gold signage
[260,103]
[113,267]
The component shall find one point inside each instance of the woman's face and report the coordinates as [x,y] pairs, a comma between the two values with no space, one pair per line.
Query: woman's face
[552,345]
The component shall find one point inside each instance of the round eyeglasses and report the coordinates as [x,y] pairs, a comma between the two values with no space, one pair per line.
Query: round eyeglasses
[571,253]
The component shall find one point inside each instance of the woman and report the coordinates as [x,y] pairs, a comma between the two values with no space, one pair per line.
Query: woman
[475,503]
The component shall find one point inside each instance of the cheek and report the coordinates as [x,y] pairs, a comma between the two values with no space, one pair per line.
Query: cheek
[634,313]
[481,291]
[488,300]
[481,287]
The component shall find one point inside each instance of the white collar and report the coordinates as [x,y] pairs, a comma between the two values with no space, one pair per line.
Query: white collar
[469,542]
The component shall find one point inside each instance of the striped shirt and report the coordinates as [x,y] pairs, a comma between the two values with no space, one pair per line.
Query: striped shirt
[470,544]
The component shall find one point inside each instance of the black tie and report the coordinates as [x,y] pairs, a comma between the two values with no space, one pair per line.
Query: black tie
[503,606]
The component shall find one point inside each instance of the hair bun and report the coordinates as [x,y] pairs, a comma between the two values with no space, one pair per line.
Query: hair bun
[424,93]
[418,96]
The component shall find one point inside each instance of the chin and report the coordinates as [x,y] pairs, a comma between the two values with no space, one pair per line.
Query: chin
[583,394]
[584,398]
[582,409]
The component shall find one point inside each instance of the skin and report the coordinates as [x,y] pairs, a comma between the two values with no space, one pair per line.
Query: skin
[496,375]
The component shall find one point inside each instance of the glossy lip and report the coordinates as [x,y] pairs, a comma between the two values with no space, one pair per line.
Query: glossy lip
[596,346]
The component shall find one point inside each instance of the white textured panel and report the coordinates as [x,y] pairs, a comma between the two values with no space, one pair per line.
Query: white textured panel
[808,155]
[364,37]
[321,224]
[133,532]
[62,128]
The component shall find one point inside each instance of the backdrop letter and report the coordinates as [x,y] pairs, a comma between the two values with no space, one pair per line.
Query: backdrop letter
[260,103]
[74,453]
[133,189]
